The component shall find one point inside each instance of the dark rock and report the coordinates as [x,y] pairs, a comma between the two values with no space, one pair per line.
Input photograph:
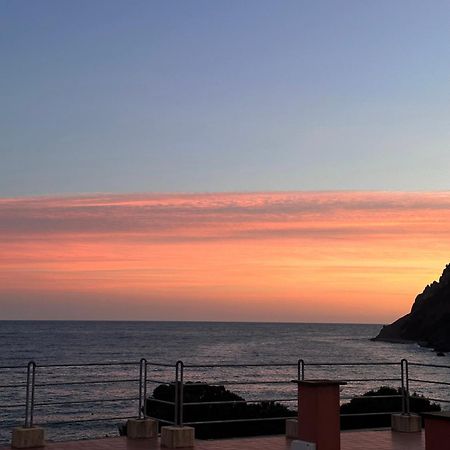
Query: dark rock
[428,323]
[440,354]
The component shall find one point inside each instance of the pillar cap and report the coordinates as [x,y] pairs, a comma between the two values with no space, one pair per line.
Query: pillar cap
[319,382]
[444,415]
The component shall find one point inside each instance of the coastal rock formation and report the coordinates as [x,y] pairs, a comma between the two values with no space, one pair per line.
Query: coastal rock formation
[428,323]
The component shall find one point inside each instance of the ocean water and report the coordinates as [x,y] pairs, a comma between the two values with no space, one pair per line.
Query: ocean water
[64,343]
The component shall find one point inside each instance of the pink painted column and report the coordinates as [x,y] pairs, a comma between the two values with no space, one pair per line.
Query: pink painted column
[437,431]
[319,413]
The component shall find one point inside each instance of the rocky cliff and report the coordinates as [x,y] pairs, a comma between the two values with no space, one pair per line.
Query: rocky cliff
[428,323]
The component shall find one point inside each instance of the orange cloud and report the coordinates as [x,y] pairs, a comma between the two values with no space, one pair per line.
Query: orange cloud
[334,256]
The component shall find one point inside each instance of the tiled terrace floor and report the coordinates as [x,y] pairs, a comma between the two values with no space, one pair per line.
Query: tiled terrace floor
[354,440]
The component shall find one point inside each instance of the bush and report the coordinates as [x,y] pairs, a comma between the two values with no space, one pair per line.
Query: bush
[238,409]
[369,403]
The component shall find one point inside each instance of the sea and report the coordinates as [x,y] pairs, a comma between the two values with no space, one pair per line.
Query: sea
[106,355]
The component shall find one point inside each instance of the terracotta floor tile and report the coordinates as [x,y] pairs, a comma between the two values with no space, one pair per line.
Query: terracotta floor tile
[350,440]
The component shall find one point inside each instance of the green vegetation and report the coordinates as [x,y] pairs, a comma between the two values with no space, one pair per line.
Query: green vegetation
[378,401]
[237,409]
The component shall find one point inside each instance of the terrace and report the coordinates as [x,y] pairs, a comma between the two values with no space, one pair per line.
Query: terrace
[352,440]
[79,404]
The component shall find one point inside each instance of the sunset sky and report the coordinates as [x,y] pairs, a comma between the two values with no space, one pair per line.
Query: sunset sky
[291,159]
[339,257]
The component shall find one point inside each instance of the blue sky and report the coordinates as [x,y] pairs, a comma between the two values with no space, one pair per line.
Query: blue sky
[195,96]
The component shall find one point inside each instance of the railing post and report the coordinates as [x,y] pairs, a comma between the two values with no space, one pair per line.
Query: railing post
[29,436]
[405,386]
[179,370]
[402,377]
[406,422]
[181,395]
[144,402]
[176,394]
[300,370]
[142,388]
[142,426]
[178,435]
[29,399]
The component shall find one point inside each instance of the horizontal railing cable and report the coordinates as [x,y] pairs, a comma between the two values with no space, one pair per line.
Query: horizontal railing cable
[235,402]
[84,382]
[97,419]
[256,419]
[418,380]
[429,365]
[75,402]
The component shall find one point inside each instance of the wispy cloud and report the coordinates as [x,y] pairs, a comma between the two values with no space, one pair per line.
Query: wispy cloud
[294,251]
[223,216]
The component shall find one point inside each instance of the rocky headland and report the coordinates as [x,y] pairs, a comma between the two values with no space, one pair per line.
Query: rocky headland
[428,323]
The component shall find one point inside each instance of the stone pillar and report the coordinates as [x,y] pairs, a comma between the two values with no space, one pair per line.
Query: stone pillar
[319,413]
[142,428]
[175,437]
[406,423]
[28,437]
[292,428]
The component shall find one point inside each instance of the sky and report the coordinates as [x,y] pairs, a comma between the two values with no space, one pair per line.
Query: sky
[290,257]
[210,96]
[208,160]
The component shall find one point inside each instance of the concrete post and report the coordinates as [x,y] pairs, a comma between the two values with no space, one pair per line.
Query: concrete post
[142,428]
[30,437]
[292,428]
[406,423]
[175,437]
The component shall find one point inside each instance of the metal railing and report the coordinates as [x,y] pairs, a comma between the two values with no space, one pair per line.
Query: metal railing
[421,382]
[300,372]
[402,378]
[273,383]
[74,395]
